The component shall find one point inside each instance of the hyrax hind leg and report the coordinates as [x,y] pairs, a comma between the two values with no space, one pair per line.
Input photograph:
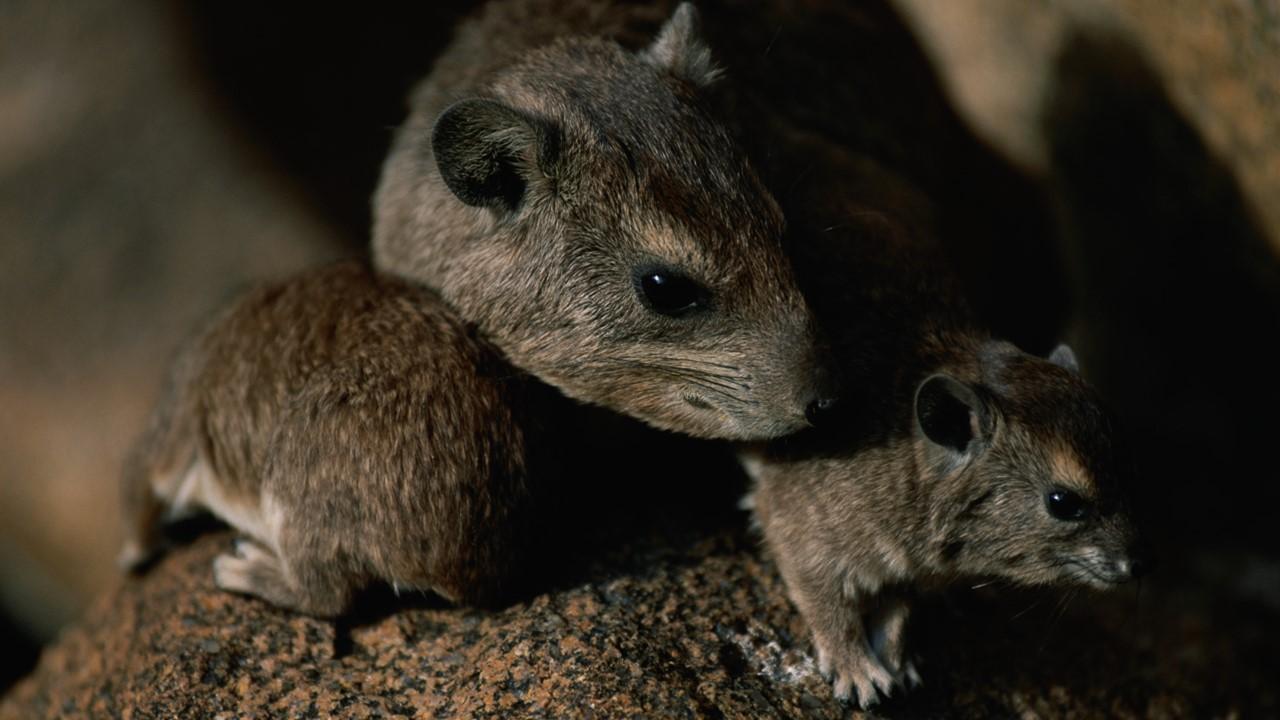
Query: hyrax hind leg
[252,569]
[142,517]
[157,466]
[291,577]
[152,476]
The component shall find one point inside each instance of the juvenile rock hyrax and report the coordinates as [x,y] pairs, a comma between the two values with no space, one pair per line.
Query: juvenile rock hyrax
[959,456]
[580,204]
[353,429]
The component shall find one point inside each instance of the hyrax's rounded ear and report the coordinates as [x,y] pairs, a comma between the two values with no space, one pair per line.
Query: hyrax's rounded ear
[488,153]
[680,50]
[951,415]
[1063,357]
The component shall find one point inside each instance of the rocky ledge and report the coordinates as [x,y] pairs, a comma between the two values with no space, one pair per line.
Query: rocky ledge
[698,627]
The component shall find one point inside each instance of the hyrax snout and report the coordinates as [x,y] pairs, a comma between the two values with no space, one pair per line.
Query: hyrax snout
[585,209]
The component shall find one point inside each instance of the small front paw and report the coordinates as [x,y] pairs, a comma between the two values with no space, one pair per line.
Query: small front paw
[855,673]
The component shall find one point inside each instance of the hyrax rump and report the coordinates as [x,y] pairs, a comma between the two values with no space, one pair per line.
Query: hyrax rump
[961,456]
[353,429]
[579,203]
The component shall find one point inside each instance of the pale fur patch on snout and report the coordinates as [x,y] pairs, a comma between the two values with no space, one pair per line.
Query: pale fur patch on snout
[1091,565]
[1092,556]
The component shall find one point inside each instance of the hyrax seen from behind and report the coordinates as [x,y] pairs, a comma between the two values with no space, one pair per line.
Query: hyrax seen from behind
[963,457]
[354,430]
[579,203]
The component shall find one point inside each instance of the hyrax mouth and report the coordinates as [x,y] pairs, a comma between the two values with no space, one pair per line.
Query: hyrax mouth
[739,423]
[1099,573]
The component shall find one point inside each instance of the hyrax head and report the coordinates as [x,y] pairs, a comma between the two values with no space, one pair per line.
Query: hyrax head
[595,221]
[1029,473]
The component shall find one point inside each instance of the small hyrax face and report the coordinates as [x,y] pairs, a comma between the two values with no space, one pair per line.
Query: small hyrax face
[628,253]
[1036,492]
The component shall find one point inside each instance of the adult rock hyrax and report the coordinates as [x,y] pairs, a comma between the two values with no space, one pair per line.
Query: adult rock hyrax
[961,456]
[580,204]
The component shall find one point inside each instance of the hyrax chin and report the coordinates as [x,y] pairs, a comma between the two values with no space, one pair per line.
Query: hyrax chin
[352,428]
[991,464]
[578,202]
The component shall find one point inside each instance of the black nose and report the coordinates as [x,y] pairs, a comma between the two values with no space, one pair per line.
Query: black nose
[1140,565]
[826,389]
[1137,561]
[820,410]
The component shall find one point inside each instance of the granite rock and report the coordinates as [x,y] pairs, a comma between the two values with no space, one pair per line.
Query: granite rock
[684,627]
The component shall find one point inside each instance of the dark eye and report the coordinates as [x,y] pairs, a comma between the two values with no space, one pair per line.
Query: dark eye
[1066,505]
[670,293]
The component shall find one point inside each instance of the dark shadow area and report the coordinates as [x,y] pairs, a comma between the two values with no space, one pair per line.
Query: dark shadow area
[375,604]
[624,498]
[1178,295]
[19,654]
[179,533]
[322,93]
[840,107]
[1120,649]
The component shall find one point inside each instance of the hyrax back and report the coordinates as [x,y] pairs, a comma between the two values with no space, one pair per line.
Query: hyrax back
[354,429]
[961,457]
[580,203]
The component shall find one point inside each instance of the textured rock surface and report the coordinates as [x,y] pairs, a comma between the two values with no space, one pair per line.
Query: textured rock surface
[676,629]
[128,210]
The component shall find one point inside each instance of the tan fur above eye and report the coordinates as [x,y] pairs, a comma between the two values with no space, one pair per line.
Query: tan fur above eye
[1069,472]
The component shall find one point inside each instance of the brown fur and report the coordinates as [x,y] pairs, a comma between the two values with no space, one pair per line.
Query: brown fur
[355,430]
[941,470]
[573,166]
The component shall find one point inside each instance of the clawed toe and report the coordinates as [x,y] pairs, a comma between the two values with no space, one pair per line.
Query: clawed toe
[232,572]
[248,568]
[861,681]
[252,550]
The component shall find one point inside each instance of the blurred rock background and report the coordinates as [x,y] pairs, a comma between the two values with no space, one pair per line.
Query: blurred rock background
[155,157]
